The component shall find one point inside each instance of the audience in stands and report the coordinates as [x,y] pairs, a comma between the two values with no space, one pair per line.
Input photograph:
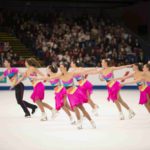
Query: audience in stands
[7,52]
[54,37]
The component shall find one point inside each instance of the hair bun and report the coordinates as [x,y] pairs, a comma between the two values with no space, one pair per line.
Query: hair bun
[78,61]
[140,63]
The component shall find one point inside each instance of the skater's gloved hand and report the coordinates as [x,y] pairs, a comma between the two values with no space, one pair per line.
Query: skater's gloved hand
[101,79]
[122,84]
[115,80]
[130,66]
[11,87]
[33,77]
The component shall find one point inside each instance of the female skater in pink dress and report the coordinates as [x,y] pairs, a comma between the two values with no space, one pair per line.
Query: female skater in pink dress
[146,70]
[60,91]
[85,86]
[142,85]
[113,86]
[74,94]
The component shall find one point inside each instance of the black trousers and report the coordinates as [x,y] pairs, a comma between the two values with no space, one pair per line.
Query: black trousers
[19,91]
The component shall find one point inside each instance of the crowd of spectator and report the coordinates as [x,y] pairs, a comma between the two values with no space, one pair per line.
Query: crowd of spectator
[54,37]
[6,52]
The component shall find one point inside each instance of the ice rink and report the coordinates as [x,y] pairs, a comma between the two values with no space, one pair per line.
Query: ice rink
[19,133]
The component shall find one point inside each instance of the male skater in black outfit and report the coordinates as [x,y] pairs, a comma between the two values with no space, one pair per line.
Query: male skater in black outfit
[12,74]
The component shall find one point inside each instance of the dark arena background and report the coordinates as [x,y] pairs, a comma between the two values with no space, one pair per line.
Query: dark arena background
[102,102]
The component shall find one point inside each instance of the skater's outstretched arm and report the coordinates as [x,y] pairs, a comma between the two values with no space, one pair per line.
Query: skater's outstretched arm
[132,82]
[39,72]
[121,67]
[131,75]
[48,78]
[2,77]
[87,71]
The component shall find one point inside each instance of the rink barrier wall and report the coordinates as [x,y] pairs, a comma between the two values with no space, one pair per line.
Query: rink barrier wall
[102,87]
[94,79]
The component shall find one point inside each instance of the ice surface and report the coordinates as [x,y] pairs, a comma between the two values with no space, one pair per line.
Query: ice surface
[19,133]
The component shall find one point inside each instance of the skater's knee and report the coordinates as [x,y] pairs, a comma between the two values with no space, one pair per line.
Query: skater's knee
[38,102]
[80,106]
[75,109]
[116,102]
[146,105]
[64,108]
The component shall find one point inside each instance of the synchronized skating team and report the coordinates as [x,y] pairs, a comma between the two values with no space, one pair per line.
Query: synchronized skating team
[71,98]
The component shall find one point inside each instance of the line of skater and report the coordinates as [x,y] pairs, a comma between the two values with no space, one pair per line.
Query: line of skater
[71,98]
